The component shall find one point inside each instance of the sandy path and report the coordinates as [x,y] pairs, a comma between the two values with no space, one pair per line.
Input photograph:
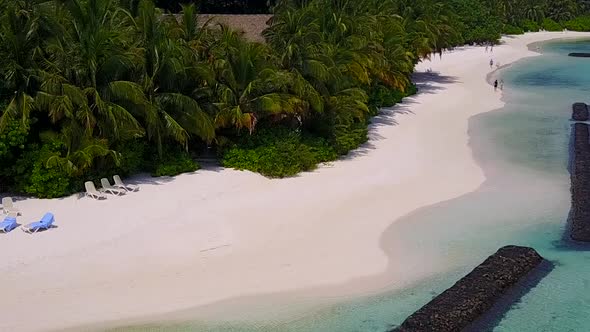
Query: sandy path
[218,234]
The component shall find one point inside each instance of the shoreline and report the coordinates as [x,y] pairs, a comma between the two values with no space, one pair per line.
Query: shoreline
[536,48]
[322,237]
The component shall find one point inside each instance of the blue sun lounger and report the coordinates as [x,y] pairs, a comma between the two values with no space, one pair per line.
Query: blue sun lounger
[8,224]
[45,223]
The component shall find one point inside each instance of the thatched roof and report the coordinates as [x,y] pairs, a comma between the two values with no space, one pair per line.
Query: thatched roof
[251,25]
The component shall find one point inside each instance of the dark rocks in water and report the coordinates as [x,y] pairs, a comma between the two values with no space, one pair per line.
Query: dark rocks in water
[580,112]
[580,184]
[463,303]
[580,55]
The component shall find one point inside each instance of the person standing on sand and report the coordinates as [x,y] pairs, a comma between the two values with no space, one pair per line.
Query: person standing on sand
[486,48]
[492,48]
[495,85]
[491,63]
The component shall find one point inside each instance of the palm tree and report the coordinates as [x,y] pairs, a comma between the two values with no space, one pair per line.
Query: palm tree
[331,48]
[163,95]
[294,35]
[534,10]
[250,87]
[562,10]
[80,154]
[83,69]
[21,32]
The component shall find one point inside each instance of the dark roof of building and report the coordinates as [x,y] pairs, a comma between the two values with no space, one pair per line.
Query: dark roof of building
[251,25]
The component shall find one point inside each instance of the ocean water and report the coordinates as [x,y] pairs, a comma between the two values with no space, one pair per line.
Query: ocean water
[524,151]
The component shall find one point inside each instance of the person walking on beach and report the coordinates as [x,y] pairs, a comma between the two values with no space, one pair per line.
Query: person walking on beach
[495,85]
[486,48]
[491,63]
[492,48]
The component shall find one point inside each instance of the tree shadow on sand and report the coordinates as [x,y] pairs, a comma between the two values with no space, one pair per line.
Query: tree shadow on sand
[427,83]
[432,82]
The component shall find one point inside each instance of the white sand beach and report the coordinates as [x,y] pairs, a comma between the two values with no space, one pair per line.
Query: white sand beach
[219,234]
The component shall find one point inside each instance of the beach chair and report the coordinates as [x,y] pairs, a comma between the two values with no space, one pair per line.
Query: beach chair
[127,187]
[45,223]
[106,187]
[92,192]
[8,224]
[9,207]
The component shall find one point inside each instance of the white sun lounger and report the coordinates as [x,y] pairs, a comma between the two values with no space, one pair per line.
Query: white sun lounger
[8,206]
[106,187]
[92,192]
[127,187]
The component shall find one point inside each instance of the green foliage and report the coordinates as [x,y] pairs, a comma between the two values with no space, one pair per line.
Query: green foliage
[412,90]
[34,177]
[477,21]
[278,152]
[348,137]
[529,26]
[551,25]
[512,30]
[12,145]
[381,96]
[563,10]
[12,139]
[133,157]
[581,23]
[140,90]
[48,182]
[174,163]
[342,133]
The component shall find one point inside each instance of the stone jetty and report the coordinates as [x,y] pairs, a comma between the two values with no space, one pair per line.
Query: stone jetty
[463,303]
[580,112]
[580,184]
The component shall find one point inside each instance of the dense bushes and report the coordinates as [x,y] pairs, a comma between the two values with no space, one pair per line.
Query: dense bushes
[135,156]
[529,26]
[33,176]
[174,163]
[12,145]
[349,136]
[382,96]
[550,25]
[581,23]
[278,152]
[512,30]
[48,182]
[476,21]
[481,21]
[12,140]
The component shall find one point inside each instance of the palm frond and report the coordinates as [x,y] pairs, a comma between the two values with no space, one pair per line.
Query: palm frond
[189,113]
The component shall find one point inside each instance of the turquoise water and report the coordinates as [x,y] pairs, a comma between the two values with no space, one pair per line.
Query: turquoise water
[523,150]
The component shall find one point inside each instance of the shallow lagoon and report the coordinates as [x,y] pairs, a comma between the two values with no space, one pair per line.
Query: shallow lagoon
[523,149]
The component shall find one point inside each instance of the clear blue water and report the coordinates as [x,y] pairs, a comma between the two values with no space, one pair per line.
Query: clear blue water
[523,150]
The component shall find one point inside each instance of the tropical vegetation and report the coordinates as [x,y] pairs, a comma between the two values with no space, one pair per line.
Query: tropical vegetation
[95,87]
